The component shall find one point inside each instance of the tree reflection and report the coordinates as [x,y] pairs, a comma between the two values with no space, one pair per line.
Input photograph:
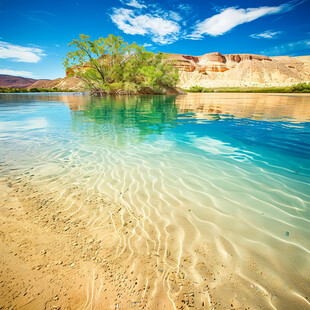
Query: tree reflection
[123,120]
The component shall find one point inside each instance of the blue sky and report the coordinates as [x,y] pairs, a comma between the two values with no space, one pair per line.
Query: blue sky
[34,34]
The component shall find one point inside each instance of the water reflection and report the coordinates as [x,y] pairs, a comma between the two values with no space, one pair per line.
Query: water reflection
[262,118]
[124,119]
[214,106]
[265,107]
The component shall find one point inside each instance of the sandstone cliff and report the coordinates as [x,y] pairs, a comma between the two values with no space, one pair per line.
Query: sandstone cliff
[235,70]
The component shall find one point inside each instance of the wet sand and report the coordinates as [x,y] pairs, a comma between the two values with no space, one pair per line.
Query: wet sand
[57,258]
[52,261]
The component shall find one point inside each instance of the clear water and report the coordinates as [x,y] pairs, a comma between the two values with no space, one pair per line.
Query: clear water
[219,179]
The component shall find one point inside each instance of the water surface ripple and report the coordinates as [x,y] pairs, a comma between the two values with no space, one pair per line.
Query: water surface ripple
[215,186]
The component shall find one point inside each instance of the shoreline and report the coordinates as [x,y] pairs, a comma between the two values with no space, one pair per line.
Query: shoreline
[292,89]
[54,262]
[182,89]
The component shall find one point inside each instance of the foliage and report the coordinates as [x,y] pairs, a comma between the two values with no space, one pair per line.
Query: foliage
[298,88]
[301,87]
[34,90]
[110,65]
[13,90]
[31,90]
[199,89]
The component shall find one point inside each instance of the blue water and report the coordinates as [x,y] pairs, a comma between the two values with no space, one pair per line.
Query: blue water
[231,170]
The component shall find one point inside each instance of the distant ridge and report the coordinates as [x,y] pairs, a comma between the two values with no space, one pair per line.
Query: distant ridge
[15,81]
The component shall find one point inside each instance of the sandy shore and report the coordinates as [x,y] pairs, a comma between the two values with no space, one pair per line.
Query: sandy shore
[51,260]
[96,255]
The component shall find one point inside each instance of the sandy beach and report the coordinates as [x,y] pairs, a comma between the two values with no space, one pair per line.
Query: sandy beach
[53,260]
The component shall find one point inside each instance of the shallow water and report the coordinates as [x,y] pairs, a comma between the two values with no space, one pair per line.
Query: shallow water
[218,183]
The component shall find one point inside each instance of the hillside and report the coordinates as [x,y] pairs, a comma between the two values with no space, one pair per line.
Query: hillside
[67,83]
[15,81]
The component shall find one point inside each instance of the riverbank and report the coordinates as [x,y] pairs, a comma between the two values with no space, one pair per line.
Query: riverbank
[298,88]
[15,90]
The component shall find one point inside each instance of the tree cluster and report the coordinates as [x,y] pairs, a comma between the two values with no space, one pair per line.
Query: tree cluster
[110,65]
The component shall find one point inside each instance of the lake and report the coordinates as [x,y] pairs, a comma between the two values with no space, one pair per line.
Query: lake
[197,200]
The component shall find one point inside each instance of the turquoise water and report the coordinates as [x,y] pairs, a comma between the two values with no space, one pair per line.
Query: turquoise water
[227,172]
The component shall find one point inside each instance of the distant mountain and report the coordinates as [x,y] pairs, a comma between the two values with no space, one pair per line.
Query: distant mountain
[15,81]
[67,83]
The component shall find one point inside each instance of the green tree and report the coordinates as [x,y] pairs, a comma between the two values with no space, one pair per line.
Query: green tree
[110,65]
[34,90]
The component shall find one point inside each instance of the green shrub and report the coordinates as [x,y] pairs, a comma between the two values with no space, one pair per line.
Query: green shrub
[298,88]
[34,90]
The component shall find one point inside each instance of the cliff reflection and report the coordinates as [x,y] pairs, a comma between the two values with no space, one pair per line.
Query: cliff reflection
[263,107]
[146,110]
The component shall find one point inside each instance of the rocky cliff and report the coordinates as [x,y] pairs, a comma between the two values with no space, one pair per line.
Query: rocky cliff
[233,70]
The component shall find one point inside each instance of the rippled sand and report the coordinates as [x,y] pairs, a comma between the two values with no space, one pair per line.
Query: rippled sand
[102,215]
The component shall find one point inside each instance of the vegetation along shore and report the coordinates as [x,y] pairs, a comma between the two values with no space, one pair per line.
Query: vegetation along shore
[298,88]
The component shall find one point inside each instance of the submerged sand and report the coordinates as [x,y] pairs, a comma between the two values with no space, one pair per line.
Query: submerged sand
[99,257]
[51,260]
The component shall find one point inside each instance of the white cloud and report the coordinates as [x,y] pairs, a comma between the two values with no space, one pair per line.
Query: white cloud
[185,7]
[231,17]
[17,73]
[20,53]
[135,4]
[268,34]
[161,30]
[287,48]
[175,16]
[147,45]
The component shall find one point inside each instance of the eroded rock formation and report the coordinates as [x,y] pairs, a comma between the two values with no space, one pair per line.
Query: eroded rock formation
[233,70]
